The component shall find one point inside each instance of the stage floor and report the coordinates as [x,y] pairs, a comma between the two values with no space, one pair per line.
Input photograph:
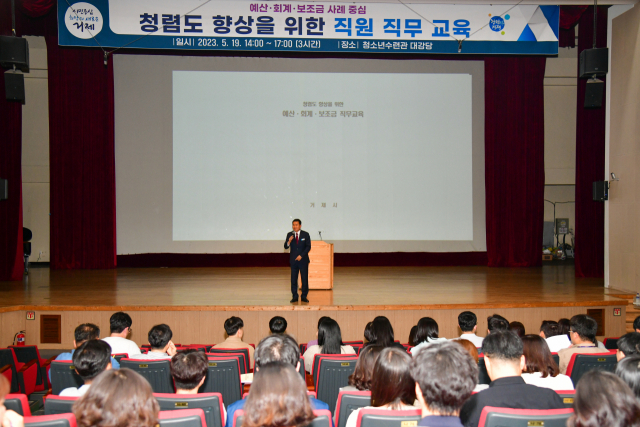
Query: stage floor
[355,288]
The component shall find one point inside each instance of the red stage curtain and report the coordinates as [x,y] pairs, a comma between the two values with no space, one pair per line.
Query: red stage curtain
[36,8]
[81,133]
[590,136]
[11,252]
[569,17]
[514,160]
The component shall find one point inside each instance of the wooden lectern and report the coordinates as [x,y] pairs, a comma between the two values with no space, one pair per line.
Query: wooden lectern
[321,266]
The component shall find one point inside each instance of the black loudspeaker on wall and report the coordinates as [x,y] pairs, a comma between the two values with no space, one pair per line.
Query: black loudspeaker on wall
[594,62]
[14,86]
[600,191]
[14,51]
[4,189]
[593,94]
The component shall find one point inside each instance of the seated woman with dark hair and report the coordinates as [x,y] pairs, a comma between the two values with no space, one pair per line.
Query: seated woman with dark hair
[278,398]
[391,385]
[369,337]
[426,334]
[540,369]
[361,378]
[604,400]
[382,330]
[329,342]
[121,398]
[412,336]
[628,369]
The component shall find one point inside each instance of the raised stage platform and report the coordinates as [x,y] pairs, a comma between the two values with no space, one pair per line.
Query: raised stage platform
[196,301]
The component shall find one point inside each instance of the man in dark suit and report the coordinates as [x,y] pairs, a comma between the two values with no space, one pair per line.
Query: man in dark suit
[300,243]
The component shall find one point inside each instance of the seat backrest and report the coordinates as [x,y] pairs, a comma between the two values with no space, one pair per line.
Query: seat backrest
[357,347]
[18,403]
[223,376]
[302,371]
[210,403]
[182,418]
[316,364]
[59,404]
[63,375]
[580,364]
[322,419]
[303,348]
[333,373]
[349,401]
[556,358]
[157,372]
[245,351]
[352,343]
[60,420]
[241,357]
[26,354]
[567,397]
[611,343]
[508,417]
[483,375]
[385,418]
[7,357]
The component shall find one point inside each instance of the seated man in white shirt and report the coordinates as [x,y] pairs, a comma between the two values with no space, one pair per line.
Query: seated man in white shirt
[120,325]
[468,323]
[90,360]
[550,331]
[161,345]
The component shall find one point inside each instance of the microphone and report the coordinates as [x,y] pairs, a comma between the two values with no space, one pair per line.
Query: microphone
[320,233]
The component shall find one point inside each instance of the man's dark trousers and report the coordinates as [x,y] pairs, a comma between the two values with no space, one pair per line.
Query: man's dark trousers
[299,267]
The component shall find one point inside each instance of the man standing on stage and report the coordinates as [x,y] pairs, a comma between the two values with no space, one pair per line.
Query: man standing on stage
[300,244]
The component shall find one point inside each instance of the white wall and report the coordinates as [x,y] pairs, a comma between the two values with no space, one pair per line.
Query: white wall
[35,151]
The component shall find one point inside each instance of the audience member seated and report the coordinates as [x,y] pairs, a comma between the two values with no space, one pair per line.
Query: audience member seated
[382,330]
[604,400]
[473,352]
[636,324]
[412,336]
[391,384]
[315,342]
[161,345]
[628,345]
[8,418]
[189,370]
[369,338]
[329,342]
[517,328]
[628,369]
[82,334]
[445,376]
[497,323]
[468,323]
[278,325]
[504,361]
[274,348]
[563,327]
[361,377]
[234,327]
[583,339]
[90,360]
[550,331]
[120,326]
[427,334]
[540,369]
[278,398]
[121,398]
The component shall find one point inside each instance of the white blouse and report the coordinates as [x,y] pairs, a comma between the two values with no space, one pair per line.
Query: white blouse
[559,382]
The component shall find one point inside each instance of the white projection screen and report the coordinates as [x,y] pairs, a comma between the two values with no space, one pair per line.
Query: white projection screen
[218,155]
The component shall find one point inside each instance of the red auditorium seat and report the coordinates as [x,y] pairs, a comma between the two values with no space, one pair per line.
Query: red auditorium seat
[322,419]
[611,343]
[332,373]
[567,397]
[54,405]
[182,418]
[368,417]
[18,403]
[507,417]
[63,375]
[223,377]
[60,420]
[157,372]
[210,403]
[24,375]
[242,357]
[347,402]
[27,353]
[581,363]
[225,351]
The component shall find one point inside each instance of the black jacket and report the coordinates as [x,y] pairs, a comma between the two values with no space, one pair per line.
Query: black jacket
[302,248]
